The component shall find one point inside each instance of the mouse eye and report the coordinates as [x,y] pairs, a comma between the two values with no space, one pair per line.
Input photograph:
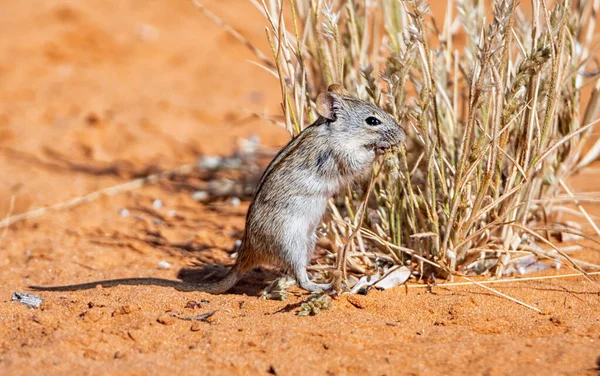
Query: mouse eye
[372,120]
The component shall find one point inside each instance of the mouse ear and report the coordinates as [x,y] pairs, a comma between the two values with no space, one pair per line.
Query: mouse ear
[325,105]
[337,89]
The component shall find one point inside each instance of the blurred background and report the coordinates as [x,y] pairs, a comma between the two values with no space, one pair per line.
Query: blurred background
[90,90]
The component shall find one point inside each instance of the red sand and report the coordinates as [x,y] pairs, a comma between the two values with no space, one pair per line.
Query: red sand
[147,85]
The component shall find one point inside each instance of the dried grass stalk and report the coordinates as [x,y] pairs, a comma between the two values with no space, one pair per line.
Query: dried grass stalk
[496,122]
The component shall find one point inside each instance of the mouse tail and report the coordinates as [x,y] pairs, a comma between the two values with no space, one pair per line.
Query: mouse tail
[218,287]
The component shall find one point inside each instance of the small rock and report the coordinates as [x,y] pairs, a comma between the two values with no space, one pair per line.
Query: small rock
[210,162]
[172,213]
[134,334]
[124,310]
[394,277]
[250,145]
[91,315]
[119,354]
[32,301]
[157,221]
[163,264]
[124,213]
[166,319]
[200,195]
[356,301]
[192,304]
[157,204]
[91,354]
[196,326]
[556,320]
[92,118]
[235,201]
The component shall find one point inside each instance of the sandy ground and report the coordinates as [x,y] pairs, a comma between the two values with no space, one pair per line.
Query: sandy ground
[95,93]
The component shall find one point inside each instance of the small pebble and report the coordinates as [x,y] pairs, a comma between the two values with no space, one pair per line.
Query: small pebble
[235,201]
[192,304]
[172,213]
[32,301]
[199,195]
[124,213]
[210,162]
[125,310]
[157,204]
[249,145]
[166,319]
[36,318]
[92,118]
[92,315]
[163,264]
[196,326]
[356,301]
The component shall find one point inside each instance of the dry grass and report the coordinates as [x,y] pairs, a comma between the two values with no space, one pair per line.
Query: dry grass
[496,123]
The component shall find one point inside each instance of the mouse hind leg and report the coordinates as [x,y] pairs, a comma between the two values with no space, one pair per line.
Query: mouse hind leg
[297,261]
[304,282]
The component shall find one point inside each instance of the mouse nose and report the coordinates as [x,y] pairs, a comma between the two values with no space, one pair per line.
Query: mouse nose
[396,135]
[402,133]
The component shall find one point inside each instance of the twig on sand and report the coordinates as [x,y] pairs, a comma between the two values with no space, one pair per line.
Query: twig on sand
[504,295]
[11,207]
[506,280]
[110,191]
[482,284]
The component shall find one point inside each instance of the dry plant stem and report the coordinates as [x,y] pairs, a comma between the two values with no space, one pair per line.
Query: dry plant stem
[504,77]
[110,191]
[556,80]
[11,207]
[581,209]
[358,219]
[474,94]
[263,58]
[496,291]
[493,126]
[505,280]
[592,155]
[503,295]
[543,240]
[389,246]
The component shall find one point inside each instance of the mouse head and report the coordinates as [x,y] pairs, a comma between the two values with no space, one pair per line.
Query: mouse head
[358,122]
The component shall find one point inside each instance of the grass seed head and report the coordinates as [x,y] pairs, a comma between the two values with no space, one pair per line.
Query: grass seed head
[493,112]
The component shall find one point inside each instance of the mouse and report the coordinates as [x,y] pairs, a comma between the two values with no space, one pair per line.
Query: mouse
[339,148]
